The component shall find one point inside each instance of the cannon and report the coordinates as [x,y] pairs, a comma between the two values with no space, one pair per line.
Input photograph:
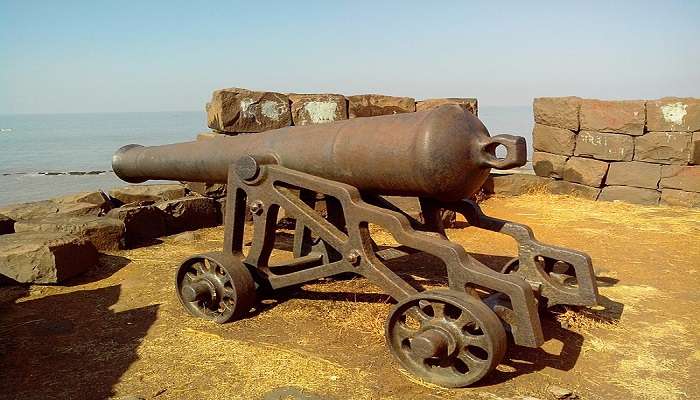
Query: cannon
[451,337]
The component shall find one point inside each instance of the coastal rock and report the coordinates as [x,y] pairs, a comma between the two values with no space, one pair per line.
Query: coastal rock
[372,105]
[548,165]
[634,173]
[679,198]
[560,112]
[98,198]
[213,190]
[586,171]
[605,146]
[553,140]
[469,104]
[44,208]
[31,257]
[189,213]
[648,197]
[7,225]
[680,177]
[142,223]
[663,147]
[673,114]
[237,110]
[140,193]
[626,116]
[310,109]
[103,233]
[207,135]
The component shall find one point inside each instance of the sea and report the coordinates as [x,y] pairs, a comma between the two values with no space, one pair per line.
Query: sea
[49,155]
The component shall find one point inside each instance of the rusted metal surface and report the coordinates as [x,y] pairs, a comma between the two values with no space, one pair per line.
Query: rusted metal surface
[442,156]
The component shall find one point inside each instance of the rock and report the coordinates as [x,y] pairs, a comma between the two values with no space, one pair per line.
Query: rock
[207,135]
[189,213]
[310,109]
[372,105]
[98,198]
[560,112]
[634,173]
[680,177]
[561,393]
[548,165]
[626,116]
[605,146]
[138,193]
[469,104]
[142,223]
[695,149]
[663,147]
[32,257]
[679,198]
[185,237]
[673,114]
[514,184]
[213,190]
[553,140]
[237,110]
[44,208]
[628,194]
[572,189]
[586,171]
[103,233]
[7,225]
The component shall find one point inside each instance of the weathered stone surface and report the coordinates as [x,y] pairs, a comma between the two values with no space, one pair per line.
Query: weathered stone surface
[605,146]
[39,209]
[7,225]
[695,149]
[586,171]
[679,198]
[31,257]
[104,233]
[626,116]
[553,140]
[673,114]
[514,184]
[138,193]
[98,198]
[469,104]
[310,109]
[548,165]
[572,189]
[628,194]
[634,173]
[208,135]
[561,112]
[680,177]
[213,190]
[372,105]
[663,147]
[189,213]
[142,223]
[237,110]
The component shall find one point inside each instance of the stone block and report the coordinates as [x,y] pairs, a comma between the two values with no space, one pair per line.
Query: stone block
[469,104]
[628,194]
[695,149]
[573,189]
[673,114]
[213,190]
[237,110]
[604,146]
[634,173]
[103,233]
[44,208]
[553,140]
[679,198]
[663,147]
[189,213]
[586,171]
[548,165]
[140,193]
[7,225]
[680,177]
[45,258]
[142,223]
[625,116]
[561,112]
[514,184]
[372,105]
[308,109]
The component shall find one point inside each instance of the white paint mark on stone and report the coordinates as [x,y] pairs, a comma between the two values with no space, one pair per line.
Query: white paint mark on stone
[271,109]
[245,106]
[674,112]
[321,111]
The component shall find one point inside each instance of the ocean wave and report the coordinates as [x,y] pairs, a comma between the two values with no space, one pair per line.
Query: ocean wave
[55,173]
[5,130]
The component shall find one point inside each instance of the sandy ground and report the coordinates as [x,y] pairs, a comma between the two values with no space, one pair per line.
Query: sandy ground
[120,330]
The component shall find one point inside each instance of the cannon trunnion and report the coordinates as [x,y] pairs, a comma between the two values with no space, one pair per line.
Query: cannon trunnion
[452,337]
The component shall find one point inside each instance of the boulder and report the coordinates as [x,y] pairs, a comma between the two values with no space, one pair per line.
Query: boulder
[103,233]
[372,105]
[604,146]
[44,208]
[469,104]
[586,171]
[553,140]
[573,189]
[628,194]
[189,213]
[634,173]
[213,190]
[98,198]
[237,110]
[663,147]
[673,114]
[142,223]
[138,193]
[695,149]
[310,109]
[514,184]
[44,257]
[680,177]
[679,198]
[7,225]
[548,165]
[561,112]
[626,116]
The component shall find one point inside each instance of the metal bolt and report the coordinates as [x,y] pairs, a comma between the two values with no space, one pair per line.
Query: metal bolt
[256,207]
[353,257]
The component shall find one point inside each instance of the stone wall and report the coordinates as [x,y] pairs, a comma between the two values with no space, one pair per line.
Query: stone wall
[638,151]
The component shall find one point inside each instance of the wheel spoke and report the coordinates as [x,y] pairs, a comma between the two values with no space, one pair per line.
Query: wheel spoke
[438,310]
[464,319]
[474,340]
[207,265]
[402,331]
[417,313]
[472,362]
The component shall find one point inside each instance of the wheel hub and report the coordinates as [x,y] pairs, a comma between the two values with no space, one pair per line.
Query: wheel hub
[198,290]
[433,342]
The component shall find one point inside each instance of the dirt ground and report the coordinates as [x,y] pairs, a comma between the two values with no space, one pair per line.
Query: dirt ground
[120,330]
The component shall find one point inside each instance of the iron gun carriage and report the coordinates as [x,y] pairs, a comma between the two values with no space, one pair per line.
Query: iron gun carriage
[452,337]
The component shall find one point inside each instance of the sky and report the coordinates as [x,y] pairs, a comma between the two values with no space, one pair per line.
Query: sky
[115,56]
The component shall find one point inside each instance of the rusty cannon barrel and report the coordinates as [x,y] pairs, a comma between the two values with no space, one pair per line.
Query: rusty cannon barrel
[444,153]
